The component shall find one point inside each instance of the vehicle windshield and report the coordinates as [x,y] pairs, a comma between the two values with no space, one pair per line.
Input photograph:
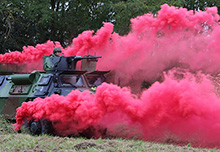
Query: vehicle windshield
[72,80]
[95,80]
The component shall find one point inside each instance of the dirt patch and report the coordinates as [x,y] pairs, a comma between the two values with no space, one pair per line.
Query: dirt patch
[86,145]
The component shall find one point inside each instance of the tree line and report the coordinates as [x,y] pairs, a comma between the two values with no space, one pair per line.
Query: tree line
[30,22]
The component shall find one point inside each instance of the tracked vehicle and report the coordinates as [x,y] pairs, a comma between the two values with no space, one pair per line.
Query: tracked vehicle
[59,77]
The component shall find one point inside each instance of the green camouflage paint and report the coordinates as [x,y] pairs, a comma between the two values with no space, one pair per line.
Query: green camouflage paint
[59,77]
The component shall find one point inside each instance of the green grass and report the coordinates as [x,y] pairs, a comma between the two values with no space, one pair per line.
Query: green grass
[5,126]
[13,141]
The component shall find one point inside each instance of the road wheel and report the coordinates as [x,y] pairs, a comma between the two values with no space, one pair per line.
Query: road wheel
[40,127]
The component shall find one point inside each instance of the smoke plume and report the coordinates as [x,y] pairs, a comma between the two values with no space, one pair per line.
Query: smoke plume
[182,107]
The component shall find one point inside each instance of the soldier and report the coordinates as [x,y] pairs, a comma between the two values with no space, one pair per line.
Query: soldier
[53,59]
[56,52]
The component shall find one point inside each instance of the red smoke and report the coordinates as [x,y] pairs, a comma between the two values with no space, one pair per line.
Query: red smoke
[174,37]
[185,110]
[31,55]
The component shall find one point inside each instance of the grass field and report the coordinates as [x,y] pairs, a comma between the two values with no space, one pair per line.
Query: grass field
[13,141]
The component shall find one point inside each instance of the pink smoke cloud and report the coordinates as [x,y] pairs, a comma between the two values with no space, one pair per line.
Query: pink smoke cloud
[185,110]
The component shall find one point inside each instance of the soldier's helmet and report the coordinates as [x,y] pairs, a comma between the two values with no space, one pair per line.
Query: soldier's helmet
[56,49]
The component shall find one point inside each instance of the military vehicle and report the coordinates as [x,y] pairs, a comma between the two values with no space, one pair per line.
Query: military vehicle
[59,77]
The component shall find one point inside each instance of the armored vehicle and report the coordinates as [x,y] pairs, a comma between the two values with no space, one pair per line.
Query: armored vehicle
[59,77]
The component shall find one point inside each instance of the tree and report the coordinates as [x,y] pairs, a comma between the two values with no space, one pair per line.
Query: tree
[36,21]
[29,22]
[201,4]
[125,10]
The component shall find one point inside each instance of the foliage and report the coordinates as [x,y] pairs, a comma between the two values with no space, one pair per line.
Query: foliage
[201,4]
[32,22]
[125,10]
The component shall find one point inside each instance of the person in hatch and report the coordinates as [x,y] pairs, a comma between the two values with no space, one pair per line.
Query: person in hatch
[56,52]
